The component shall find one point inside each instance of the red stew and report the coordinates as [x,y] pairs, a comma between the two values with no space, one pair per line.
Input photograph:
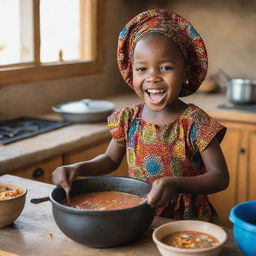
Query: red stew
[103,201]
[190,240]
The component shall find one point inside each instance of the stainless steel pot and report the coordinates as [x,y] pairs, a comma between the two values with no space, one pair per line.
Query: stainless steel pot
[103,228]
[85,110]
[241,91]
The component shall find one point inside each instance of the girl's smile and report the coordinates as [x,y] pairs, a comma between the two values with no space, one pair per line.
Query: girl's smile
[158,71]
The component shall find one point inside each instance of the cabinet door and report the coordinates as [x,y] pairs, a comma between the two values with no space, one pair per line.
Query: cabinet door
[41,171]
[91,152]
[223,201]
[252,166]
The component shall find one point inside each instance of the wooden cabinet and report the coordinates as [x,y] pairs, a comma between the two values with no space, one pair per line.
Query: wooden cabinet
[239,148]
[252,166]
[40,171]
[93,151]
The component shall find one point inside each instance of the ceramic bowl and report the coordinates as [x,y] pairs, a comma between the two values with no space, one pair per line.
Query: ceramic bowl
[189,225]
[10,209]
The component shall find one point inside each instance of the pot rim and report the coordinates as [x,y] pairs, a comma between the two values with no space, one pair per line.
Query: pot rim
[241,81]
[98,212]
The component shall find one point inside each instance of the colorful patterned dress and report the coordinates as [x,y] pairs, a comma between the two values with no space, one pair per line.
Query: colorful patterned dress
[156,151]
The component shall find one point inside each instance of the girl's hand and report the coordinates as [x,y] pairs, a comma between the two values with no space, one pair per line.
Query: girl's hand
[162,192]
[64,176]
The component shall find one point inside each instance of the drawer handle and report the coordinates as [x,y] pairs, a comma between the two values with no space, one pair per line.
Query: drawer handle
[37,173]
[242,150]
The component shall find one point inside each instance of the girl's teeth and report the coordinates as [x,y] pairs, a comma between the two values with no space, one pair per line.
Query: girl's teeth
[155,91]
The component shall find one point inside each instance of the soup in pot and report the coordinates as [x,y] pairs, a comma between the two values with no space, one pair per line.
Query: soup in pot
[104,201]
[190,240]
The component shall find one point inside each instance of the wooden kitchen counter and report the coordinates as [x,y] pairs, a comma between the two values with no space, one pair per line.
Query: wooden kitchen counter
[66,139]
[29,235]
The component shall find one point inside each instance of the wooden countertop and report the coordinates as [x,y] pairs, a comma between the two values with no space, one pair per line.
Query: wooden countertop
[29,234]
[41,147]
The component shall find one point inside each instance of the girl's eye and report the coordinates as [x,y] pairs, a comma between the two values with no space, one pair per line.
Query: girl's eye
[141,69]
[166,68]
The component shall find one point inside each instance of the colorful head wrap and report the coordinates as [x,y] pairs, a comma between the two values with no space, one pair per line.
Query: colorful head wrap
[173,26]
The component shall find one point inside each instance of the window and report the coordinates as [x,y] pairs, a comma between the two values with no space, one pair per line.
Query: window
[49,39]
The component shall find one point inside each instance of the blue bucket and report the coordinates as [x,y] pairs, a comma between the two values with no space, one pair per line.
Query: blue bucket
[243,217]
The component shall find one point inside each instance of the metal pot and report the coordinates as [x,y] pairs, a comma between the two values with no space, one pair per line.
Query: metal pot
[103,228]
[85,110]
[241,91]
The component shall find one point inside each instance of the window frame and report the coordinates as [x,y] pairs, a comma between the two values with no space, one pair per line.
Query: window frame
[36,71]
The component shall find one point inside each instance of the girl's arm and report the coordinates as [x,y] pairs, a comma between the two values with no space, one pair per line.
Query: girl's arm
[100,165]
[215,179]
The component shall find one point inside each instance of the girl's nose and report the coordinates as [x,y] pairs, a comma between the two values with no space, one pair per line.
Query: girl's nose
[153,76]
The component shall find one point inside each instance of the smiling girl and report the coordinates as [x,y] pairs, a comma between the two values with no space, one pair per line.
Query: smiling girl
[170,144]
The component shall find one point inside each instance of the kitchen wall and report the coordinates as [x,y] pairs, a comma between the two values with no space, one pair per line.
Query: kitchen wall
[227,27]
[228,30]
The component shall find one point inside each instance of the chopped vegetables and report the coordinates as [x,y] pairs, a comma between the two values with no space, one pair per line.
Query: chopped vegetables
[7,193]
[190,240]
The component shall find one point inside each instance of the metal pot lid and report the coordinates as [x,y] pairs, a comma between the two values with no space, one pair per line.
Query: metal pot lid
[85,106]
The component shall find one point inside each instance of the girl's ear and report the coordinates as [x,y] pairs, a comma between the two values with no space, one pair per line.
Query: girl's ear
[187,75]
[186,80]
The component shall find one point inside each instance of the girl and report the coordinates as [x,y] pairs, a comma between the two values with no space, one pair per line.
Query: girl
[172,145]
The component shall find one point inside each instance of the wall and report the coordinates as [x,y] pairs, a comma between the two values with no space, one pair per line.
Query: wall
[227,27]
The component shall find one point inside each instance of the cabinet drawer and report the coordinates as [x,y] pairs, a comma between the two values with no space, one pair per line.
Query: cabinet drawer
[93,151]
[41,171]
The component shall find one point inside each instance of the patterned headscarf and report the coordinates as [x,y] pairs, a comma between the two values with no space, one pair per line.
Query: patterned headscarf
[173,26]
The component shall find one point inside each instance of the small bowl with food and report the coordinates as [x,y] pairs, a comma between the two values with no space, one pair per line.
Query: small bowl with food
[189,237]
[104,211]
[12,201]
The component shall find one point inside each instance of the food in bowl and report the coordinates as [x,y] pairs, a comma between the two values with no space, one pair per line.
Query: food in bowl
[105,200]
[198,229]
[190,239]
[12,202]
[6,192]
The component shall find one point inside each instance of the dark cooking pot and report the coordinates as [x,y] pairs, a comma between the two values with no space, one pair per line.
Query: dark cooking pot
[103,228]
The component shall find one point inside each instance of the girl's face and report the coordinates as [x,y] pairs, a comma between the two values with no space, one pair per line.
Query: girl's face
[158,71]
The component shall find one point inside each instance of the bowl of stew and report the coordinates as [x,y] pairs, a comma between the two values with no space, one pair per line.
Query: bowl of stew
[189,237]
[12,201]
[104,211]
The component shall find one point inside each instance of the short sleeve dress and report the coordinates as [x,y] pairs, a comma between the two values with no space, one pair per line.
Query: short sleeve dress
[156,151]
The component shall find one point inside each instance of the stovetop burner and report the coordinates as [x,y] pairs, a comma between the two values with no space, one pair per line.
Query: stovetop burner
[247,107]
[25,127]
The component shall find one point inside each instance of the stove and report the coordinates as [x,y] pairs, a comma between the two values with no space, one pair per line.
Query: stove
[246,107]
[25,127]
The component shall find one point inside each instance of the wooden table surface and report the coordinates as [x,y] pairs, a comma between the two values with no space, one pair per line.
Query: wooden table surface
[30,234]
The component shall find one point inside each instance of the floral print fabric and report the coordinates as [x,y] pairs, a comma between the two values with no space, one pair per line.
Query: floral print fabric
[155,151]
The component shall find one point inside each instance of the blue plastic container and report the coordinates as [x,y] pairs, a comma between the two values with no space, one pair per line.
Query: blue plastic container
[243,217]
